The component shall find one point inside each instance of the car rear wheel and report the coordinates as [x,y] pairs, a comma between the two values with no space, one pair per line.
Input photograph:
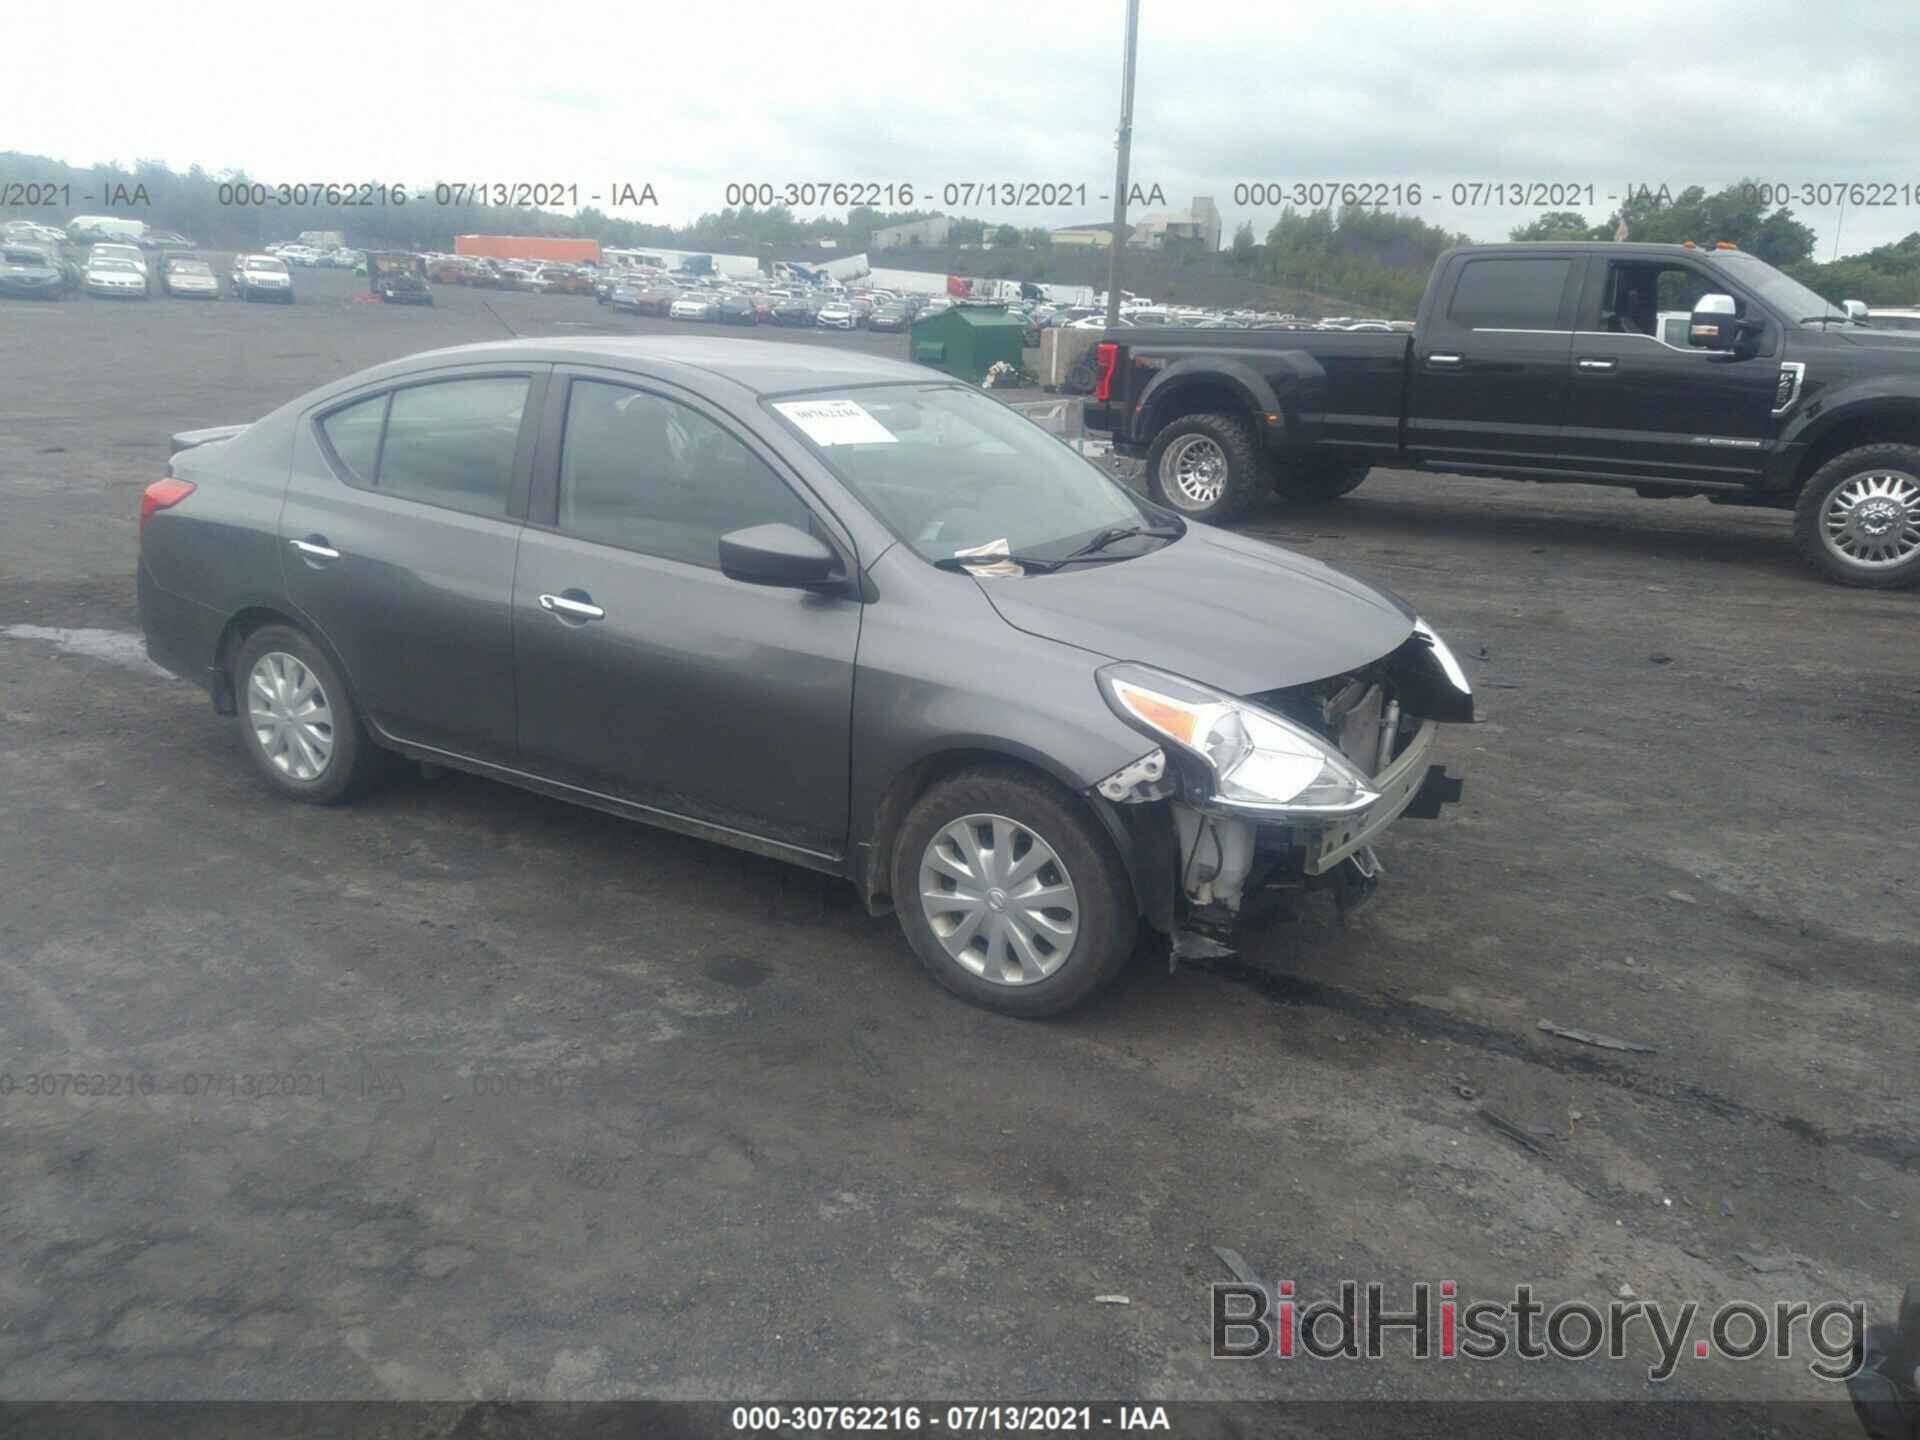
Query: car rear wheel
[1011,894]
[1205,466]
[1858,519]
[297,720]
[1314,482]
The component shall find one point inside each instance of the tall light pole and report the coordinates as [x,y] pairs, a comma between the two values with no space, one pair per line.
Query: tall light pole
[1125,147]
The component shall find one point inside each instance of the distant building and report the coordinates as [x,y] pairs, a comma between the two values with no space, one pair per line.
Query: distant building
[1088,237]
[915,232]
[1199,223]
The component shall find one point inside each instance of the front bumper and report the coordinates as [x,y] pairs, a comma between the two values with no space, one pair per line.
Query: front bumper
[1398,786]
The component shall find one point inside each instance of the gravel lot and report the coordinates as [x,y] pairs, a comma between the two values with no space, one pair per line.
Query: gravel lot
[610,1112]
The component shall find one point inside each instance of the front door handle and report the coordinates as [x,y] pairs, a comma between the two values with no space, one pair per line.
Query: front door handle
[1596,364]
[570,608]
[315,548]
[1443,359]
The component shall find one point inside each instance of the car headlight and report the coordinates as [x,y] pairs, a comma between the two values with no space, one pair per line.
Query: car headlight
[1258,759]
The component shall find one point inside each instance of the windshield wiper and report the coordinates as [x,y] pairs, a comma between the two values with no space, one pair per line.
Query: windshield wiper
[1089,551]
[1115,535]
[967,563]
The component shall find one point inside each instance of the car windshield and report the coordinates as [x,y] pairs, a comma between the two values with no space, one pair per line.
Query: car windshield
[271,265]
[113,265]
[26,257]
[1781,292]
[190,267]
[948,469]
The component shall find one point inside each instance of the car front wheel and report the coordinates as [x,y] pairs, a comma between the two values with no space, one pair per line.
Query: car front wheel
[1011,894]
[1858,519]
[1205,466]
[297,720]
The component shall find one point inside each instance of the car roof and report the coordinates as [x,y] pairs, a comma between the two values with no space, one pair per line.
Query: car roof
[759,367]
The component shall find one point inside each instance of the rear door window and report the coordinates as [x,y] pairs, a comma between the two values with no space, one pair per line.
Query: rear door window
[1510,294]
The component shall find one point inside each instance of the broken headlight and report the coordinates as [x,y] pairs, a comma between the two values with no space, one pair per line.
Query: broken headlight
[1258,760]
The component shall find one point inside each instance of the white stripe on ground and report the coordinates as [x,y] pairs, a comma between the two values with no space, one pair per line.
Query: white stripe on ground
[116,647]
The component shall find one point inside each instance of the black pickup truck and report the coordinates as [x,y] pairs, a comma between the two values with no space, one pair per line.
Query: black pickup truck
[1546,362]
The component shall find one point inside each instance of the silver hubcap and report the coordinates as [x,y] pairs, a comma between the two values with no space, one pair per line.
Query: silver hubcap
[999,900]
[1193,471]
[292,720]
[1873,520]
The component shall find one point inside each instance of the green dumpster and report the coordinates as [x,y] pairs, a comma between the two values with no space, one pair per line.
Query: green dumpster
[966,341]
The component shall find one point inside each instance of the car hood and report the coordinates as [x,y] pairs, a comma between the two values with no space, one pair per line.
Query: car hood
[1216,607]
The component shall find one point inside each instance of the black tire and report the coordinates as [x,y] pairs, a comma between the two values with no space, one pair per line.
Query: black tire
[1808,516]
[1108,922]
[355,762]
[1233,440]
[1304,482]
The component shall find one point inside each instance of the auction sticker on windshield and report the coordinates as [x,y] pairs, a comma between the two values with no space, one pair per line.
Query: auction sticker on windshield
[836,422]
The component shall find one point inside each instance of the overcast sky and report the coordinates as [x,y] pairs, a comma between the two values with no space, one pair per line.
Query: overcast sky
[692,96]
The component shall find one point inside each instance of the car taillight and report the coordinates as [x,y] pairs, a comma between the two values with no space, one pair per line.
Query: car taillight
[1107,356]
[162,495]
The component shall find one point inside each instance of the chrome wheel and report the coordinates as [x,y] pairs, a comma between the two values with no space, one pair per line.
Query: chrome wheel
[1872,520]
[1193,471]
[292,719]
[999,900]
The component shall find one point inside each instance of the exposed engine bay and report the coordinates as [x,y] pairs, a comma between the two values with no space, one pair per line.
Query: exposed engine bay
[1382,719]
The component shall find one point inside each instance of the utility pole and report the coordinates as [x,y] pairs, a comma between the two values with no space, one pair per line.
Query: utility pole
[1125,147]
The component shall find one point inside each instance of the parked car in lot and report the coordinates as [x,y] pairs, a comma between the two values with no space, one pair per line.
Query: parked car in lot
[484,274]
[30,272]
[1543,362]
[398,278]
[190,277]
[645,299]
[795,310]
[735,310]
[667,578]
[565,280]
[114,278]
[888,317]
[835,315]
[132,254]
[693,305]
[165,241]
[262,277]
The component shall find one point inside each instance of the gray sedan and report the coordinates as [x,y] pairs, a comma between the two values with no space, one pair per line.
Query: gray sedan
[827,608]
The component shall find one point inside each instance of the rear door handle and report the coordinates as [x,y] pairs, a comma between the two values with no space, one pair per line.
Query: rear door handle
[1596,364]
[1443,359]
[566,605]
[316,548]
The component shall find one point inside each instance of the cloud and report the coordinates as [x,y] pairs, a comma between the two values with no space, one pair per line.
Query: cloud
[1706,92]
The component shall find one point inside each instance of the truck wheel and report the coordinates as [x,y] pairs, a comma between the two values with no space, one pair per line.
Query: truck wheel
[1858,519]
[1206,466]
[1314,482]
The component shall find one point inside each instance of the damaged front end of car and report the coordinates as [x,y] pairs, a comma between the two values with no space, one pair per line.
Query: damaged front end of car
[1249,800]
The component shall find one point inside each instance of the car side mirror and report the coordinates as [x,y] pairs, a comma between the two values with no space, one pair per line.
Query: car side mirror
[780,555]
[1715,323]
[1856,309]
